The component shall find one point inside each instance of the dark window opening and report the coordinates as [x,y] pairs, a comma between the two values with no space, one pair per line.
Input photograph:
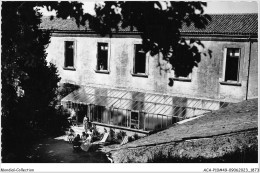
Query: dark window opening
[69,54]
[142,120]
[69,104]
[99,113]
[135,120]
[140,60]
[232,64]
[94,113]
[102,59]
[91,111]
[82,111]
[112,116]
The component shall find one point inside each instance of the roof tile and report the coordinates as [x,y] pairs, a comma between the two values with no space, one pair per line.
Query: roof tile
[220,24]
[228,23]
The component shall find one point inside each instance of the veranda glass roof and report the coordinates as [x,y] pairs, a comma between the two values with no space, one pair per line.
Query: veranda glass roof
[140,101]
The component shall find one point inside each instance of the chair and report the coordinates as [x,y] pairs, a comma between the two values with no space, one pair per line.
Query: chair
[70,135]
[103,140]
[125,140]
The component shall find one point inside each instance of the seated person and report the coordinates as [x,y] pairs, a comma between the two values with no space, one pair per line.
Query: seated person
[70,135]
[76,141]
[83,136]
[90,135]
[86,145]
[90,132]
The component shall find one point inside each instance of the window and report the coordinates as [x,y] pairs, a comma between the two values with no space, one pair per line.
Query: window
[69,54]
[231,65]
[140,61]
[102,57]
[69,104]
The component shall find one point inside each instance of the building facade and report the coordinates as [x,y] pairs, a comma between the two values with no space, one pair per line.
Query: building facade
[122,86]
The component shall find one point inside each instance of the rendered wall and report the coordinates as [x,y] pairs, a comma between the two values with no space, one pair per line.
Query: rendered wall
[253,73]
[205,79]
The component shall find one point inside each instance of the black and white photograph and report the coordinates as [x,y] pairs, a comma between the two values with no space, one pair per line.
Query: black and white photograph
[117,82]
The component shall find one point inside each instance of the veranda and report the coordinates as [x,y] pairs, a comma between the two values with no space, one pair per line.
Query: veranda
[135,111]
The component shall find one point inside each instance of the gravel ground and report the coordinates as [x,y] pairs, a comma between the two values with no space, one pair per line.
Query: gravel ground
[59,151]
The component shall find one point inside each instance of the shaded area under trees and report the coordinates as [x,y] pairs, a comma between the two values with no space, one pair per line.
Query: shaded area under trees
[29,83]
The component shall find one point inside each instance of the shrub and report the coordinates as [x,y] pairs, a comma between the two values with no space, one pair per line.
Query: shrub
[112,134]
[56,121]
[120,135]
[65,89]
[130,138]
[96,134]
[136,136]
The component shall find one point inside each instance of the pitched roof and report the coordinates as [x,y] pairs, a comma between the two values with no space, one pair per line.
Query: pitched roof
[58,24]
[239,24]
[228,24]
[61,24]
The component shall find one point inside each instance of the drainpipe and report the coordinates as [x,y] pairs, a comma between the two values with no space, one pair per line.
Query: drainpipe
[248,71]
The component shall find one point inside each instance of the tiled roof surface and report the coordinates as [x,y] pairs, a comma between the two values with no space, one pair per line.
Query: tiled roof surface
[220,24]
[61,24]
[70,25]
[228,23]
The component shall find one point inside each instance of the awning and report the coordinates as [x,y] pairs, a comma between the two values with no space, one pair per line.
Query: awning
[139,101]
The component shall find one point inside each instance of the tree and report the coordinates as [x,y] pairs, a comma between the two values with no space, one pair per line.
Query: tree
[29,83]
[160,24]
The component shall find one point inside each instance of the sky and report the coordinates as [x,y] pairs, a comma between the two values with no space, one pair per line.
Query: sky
[216,7]
[213,7]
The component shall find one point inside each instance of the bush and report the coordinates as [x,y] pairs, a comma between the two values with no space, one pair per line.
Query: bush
[56,121]
[112,134]
[113,137]
[65,89]
[120,135]
[22,130]
[96,134]
[130,138]
[136,136]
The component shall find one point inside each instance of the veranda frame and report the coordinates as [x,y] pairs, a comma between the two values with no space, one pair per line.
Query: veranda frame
[155,111]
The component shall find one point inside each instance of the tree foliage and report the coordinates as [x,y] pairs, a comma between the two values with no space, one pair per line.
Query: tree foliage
[26,76]
[29,83]
[160,24]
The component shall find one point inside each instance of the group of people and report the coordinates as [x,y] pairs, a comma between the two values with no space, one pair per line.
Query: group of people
[83,141]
